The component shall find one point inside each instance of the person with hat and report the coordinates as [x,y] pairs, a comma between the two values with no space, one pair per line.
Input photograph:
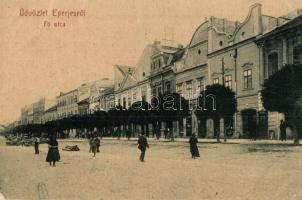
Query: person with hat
[142,146]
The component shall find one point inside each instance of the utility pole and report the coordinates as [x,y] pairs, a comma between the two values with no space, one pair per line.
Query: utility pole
[222,70]
[223,83]
[235,67]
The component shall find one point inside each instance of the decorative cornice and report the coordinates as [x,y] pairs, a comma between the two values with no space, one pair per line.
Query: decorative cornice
[247,64]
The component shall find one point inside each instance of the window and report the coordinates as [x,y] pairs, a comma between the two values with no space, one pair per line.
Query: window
[124,102]
[216,81]
[168,87]
[159,90]
[228,81]
[189,88]
[129,101]
[179,88]
[247,74]
[272,63]
[200,85]
[220,43]
[144,93]
[199,52]
[298,54]
[134,95]
[154,92]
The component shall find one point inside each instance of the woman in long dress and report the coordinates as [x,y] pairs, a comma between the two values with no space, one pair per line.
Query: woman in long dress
[193,146]
[53,154]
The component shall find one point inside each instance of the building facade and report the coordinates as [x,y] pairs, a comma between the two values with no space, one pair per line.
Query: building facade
[132,84]
[107,99]
[67,104]
[50,114]
[281,46]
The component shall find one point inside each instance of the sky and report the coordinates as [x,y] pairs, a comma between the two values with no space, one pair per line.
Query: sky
[37,61]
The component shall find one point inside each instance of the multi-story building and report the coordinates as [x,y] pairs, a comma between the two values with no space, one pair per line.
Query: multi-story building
[89,95]
[281,46]
[50,114]
[67,104]
[191,74]
[33,113]
[107,99]
[132,84]
[25,112]
[235,60]
[162,75]
[83,106]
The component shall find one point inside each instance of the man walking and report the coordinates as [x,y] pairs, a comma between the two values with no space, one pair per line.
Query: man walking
[142,145]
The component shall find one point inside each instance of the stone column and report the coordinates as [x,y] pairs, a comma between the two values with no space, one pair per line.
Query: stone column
[284,50]
[261,65]
[185,127]
[176,128]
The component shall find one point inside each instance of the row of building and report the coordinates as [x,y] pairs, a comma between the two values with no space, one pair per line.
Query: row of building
[240,55]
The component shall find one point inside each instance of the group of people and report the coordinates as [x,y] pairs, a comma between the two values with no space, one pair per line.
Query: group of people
[143,145]
[53,154]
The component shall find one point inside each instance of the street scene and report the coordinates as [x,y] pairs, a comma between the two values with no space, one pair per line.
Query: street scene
[239,170]
[151,100]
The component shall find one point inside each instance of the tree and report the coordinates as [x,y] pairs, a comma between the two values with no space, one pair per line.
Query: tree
[170,107]
[140,113]
[216,102]
[282,93]
[118,117]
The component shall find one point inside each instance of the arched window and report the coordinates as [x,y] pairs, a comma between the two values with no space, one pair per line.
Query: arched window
[272,63]
[298,54]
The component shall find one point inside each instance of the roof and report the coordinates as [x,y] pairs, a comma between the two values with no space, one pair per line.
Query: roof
[65,93]
[84,101]
[178,55]
[296,22]
[51,109]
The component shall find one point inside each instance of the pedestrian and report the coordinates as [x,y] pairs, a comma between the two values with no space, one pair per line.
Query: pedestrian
[90,144]
[282,130]
[142,146]
[37,141]
[193,146]
[94,146]
[53,154]
[98,144]
[128,134]
[166,133]
[157,132]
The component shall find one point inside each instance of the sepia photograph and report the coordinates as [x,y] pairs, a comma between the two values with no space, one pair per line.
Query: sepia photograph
[150,100]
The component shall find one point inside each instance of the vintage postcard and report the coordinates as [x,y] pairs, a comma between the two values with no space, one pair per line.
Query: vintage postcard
[150,99]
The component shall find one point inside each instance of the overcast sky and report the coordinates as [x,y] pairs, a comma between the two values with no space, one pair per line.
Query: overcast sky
[37,61]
